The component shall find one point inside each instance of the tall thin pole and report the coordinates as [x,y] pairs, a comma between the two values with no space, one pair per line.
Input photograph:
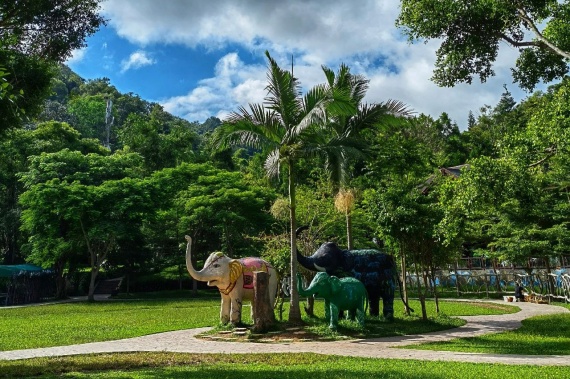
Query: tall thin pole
[108,122]
[291,64]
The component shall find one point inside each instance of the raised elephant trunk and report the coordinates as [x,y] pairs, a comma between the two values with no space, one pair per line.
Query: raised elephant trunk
[300,289]
[193,273]
[306,262]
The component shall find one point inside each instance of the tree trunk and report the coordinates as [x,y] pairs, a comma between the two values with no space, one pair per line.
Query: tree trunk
[294,309]
[91,293]
[263,315]
[435,294]
[550,279]
[457,278]
[404,280]
[497,279]
[60,280]
[421,294]
[349,230]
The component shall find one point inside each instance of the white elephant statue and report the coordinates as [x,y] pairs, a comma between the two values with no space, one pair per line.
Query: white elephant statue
[234,279]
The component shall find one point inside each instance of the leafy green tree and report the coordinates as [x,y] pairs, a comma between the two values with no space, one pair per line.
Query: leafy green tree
[26,83]
[128,104]
[407,219]
[14,152]
[286,128]
[471,31]
[75,202]
[141,135]
[48,29]
[162,143]
[89,113]
[221,210]
[399,193]
[56,111]
[487,132]
[227,211]
[6,89]
[99,86]
[515,202]
[33,36]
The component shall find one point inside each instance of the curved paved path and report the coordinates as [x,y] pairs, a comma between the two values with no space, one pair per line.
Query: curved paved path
[184,341]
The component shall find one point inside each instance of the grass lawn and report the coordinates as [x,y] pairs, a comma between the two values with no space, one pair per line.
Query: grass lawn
[541,335]
[72,323]
[80,322]
[61,324]
[261,366]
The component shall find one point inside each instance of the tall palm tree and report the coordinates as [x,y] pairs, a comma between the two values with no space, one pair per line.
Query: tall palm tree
[287,126]
[345,143]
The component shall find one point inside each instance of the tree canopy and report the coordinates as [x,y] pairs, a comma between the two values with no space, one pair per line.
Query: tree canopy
[48,29]
[471,32]
[34,35]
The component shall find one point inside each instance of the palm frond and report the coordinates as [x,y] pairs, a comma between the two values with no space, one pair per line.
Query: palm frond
[398,108]
[359,86]
[257,129]
[284,93]
[341,104]
[272,163]
[330,75]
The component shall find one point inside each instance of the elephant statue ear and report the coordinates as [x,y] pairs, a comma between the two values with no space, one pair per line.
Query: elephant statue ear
[335,284]
[236,270]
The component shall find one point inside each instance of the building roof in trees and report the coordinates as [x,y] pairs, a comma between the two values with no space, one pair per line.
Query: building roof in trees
[454,171]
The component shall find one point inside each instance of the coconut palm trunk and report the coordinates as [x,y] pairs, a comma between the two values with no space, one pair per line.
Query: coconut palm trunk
[294,310]
[288,125]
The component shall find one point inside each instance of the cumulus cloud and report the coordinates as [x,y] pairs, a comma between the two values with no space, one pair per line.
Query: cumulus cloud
[325,28]
[136,60]
[317,32]
[234,84]
[76,56]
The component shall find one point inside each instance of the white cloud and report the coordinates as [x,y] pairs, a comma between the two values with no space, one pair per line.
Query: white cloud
[136,60]
[76,56]
[234,84]
[328,29]
[361,34]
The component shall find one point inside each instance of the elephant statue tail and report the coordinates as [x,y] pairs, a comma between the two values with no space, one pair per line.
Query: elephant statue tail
[301,229]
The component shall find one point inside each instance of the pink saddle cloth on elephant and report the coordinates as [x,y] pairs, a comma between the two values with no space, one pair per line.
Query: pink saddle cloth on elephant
[250,265]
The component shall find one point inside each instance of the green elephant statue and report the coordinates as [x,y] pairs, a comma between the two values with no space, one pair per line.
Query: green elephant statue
[345,294]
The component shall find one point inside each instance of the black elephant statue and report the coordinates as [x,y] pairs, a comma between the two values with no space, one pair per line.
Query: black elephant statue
[376,269]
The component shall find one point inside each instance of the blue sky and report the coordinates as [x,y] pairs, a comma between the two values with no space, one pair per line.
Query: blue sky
[206,58]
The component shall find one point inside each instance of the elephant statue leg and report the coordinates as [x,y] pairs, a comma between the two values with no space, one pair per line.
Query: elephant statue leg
[225,309]
[374,303]
[236,311]
[388,304]
[360,315]
[333,316]
[327,309]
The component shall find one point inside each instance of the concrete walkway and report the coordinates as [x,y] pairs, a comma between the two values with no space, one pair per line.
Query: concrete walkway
[184,341]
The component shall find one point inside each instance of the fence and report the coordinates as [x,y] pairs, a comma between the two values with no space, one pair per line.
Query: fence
[540,283]
[27,287]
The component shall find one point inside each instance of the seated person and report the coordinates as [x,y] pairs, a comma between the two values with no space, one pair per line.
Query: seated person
[519,292]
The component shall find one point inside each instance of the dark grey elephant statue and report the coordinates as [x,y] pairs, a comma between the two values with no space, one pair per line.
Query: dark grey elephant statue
[375,269]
